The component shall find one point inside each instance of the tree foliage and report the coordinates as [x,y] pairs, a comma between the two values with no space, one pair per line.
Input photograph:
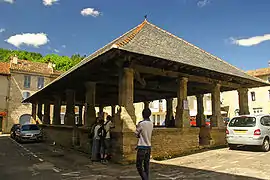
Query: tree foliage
[62,63]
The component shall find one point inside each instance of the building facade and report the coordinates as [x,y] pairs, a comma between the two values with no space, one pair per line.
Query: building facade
[24,78]
[258,98]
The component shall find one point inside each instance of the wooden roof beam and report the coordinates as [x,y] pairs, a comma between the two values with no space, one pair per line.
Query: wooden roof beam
[192,78]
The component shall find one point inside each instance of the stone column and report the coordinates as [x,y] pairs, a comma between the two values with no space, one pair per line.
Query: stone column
[216,118]
[146,104]
[182,110]
[90,97]
[80,114]
[70,106]
[243,101]
[39,111]
[46,118]
[169,112]
[56,110]
[113,110]
[126,94]
[34,111]
[200,118]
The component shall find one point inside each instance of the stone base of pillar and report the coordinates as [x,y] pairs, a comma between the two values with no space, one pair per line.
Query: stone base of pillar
[204,136]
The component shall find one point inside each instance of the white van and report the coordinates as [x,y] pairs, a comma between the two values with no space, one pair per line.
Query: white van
[249,130]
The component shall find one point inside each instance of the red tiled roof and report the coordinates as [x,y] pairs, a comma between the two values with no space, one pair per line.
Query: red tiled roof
[259,72]
[34,67]
[4,68]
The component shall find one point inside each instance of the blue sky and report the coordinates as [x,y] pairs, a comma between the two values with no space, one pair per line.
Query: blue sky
[238,31]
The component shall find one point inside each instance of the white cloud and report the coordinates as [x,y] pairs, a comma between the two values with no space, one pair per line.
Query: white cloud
[63,46]
[29,39]
[56,50]
[8,1]
[250,41]
[2,30]
[90,12]
[203,3]
[49,2]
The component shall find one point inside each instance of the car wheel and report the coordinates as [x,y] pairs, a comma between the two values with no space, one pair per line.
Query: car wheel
[232,146]
[265,146]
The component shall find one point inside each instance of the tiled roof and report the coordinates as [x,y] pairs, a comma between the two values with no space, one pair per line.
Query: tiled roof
[259,72]
[148,39]
[4,68]
[33,67]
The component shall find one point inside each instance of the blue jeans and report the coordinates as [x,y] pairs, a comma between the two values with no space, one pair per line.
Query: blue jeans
[142,162]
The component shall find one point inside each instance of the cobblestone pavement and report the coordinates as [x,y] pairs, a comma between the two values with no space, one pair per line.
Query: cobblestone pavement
[41,161]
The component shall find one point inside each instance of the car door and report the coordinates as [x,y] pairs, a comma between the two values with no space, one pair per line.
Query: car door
[264,128]
[267,125]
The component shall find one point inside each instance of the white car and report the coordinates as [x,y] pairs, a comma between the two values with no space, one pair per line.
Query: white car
[249,130]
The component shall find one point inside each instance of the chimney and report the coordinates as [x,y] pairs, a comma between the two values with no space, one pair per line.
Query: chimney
[14,59]
[51,66]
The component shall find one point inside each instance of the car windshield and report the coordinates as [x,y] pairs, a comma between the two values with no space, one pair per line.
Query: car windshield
[29,127]
[243,122]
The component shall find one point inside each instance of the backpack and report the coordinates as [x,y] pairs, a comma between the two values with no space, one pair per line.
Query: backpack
[92,131]
[102,132]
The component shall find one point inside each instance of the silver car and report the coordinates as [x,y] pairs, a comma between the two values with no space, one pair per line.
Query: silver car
[28,132]
[249,130]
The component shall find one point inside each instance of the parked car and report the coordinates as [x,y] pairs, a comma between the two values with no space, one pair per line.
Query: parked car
[13,130]
[251,130]
[28,132]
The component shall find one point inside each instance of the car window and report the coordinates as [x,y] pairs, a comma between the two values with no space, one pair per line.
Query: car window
[29,127]
[265,121]
[243,122]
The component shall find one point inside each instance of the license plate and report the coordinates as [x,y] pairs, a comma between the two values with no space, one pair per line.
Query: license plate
[240,132]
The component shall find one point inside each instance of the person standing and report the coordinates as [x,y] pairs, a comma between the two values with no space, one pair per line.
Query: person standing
[108,126]
[144,133]
[96,140]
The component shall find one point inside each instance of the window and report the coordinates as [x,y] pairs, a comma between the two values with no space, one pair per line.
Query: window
[243,122]
[253,96]
[27,81]
[25,95]
[40,82]
[265,121]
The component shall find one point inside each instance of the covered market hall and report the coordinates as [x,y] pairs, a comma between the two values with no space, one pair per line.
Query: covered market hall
[147,63]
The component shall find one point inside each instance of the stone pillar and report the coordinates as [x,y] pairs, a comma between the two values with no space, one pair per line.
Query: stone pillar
[243,101]
[146,104]
[182,111]
[56,110]
[200,118]
[216,118]
[80,114]
[39,111]
[90,97]
[126,94]
[169,112]
[113,110]
[70,106]
[34,111]
[46,118]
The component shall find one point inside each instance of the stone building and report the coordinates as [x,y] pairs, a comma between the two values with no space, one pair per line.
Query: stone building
[24,78]
[4,93]
[258,98]
[147,63]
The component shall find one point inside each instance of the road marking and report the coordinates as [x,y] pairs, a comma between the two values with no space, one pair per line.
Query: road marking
[40,159]
[56,170]
[35,155]
[129,177]
[71,174]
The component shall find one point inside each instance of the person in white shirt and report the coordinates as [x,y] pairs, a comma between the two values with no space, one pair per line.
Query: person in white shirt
[108,126]
[96,140]
[144,133]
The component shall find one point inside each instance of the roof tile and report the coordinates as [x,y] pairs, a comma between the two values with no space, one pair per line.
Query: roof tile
[4,68]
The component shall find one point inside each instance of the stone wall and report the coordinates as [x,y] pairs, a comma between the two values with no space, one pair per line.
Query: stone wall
[218,137]
[16,108]
[61,135]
